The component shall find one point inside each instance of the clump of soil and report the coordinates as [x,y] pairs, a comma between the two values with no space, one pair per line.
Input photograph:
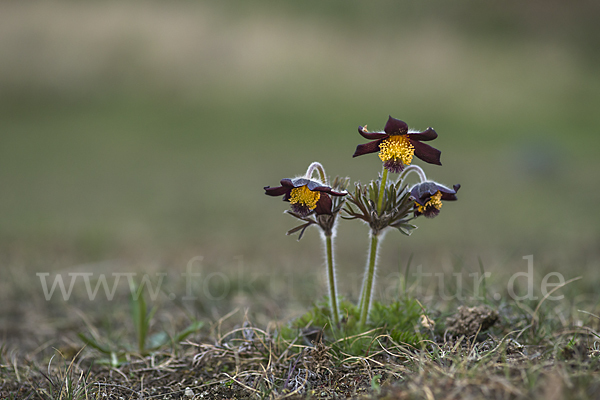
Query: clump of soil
[470,320]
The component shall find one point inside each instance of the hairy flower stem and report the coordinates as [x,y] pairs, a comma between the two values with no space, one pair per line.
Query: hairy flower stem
[316,166]
[312,168]
[365,302]
[381,190]
[331,279]
[412,168]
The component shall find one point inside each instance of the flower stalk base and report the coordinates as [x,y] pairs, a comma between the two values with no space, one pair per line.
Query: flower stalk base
[369,281]
[331,279]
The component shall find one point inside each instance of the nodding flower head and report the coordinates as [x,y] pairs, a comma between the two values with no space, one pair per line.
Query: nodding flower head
[397,146]
[305,195]
[428,197]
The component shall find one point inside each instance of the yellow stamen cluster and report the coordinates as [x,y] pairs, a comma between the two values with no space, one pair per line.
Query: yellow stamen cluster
[435,201]
[397,148]
[305,197]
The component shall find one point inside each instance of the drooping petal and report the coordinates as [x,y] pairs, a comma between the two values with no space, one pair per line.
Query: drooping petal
[423,191]
[314,185]
[327,189]
[298,182]
[426,153]
[395,127]
[449,194]
[371,135]
[427,134]
[287,182]
[276,191]
[366,148]
[317,186]
[305,195]
[323,205]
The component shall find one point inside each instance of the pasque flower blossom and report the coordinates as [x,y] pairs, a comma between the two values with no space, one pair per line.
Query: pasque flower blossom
[428,197]
[397,146]
[305,195]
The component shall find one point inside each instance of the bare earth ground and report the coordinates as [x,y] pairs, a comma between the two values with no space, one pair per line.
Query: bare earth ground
[498,350]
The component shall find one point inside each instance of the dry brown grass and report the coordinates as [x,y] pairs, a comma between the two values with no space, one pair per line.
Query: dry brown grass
[234,359]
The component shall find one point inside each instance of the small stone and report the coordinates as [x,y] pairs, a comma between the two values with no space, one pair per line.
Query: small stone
[470,320]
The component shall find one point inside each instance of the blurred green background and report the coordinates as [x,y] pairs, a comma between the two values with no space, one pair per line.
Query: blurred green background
[145,131]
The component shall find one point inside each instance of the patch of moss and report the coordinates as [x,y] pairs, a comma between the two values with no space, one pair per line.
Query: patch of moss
[398,322]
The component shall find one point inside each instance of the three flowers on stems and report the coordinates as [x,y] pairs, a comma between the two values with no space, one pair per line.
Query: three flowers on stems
[383,204]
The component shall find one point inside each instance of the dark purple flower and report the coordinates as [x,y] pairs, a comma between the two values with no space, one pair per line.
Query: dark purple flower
[397,146]
[305,195]
[428,197]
